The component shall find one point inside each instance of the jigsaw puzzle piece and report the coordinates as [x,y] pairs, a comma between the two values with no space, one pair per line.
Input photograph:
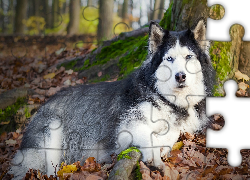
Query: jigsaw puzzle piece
[226,137]
[218,30]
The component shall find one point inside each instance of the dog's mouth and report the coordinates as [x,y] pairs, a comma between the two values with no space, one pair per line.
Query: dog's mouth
[181,85]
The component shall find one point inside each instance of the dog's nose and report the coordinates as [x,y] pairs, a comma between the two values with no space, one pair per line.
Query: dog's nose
[180,77]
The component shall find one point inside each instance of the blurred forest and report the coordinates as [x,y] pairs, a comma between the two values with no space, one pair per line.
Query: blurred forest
[61,17]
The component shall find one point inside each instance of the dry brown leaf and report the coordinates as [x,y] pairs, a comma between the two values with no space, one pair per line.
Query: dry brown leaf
[10,142]
[15,135]
[241,93]
[171,173]
[4,123]
[91,165]
[3,136]
[216,126]
[189,136]
[69,71]
[238,75]
[99,74]
[243,86]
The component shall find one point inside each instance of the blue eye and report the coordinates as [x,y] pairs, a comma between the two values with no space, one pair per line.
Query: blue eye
[170,59]
[189,56]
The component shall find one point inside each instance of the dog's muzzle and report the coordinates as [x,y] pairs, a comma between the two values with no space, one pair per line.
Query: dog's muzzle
[180,77]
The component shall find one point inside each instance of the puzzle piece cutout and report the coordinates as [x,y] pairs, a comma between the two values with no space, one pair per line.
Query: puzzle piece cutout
[226,137]
[235,13]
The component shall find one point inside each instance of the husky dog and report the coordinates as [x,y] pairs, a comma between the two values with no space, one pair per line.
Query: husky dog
[149,109]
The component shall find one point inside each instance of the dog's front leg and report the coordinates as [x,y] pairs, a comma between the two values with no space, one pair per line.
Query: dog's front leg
[162,146]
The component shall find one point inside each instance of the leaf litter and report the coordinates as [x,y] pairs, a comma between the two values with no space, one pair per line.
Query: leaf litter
[189,159]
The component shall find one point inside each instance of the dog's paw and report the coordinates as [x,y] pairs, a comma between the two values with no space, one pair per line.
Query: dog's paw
[165,152]
[159,164]
[148,161]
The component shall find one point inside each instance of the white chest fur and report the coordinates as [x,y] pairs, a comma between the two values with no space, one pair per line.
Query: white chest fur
[160,129]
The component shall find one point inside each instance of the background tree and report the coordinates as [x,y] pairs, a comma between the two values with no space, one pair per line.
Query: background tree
[55,13]
[74,17]
[47,13]
[21,11]
[125,10]
[156,9]
[90,3]
[105,25]
[11,16]
[2,15]
[161,9]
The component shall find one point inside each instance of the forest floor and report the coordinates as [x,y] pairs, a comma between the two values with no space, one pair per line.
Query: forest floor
[37,71]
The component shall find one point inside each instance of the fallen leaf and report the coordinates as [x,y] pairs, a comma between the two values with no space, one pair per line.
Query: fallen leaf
[69,71]
[79,81]
[10,142]
[171,173]
[3,136]
[189,136]
[241,93]
[243,86]
[238,75]
[177,146]
[49,76]
[60,51]
[216,126]
[3,123]
[99,74]
[15,135]
[67,83]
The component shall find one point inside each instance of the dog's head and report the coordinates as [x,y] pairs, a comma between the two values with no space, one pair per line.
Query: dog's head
[178,62]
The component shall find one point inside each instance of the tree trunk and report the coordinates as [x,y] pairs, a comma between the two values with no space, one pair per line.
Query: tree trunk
[11,16]
[161,9]
[125,10]
[2,17]
[47,15]
[55,13]
[21,11]
[150,12]
[156,9]
[90,3]
[105,25]
[74,16]
[36,7]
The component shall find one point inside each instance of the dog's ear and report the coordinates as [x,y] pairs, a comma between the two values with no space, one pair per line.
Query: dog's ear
[156,34]
[199,31]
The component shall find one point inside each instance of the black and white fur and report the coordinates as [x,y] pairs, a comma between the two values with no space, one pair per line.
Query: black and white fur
[79,119]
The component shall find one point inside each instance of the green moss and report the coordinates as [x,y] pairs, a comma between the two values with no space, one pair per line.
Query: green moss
[184,2]
[27,113]
[68,65]
[116,49]
[86,63]
[134,58]
[124,154]
[132,52]
[166,20]
[7,115]
[138,174]
[104,78]
[221,60]
[93,51]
